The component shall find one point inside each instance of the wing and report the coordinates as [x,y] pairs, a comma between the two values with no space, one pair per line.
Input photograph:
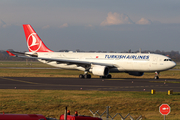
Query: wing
[82,63]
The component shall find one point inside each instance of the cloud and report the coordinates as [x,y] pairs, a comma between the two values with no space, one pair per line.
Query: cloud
[64,25]
[89,25]
[144,21]
[45,27]
[116,19]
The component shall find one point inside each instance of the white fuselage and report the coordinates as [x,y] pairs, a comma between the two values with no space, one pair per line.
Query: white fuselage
[141,62]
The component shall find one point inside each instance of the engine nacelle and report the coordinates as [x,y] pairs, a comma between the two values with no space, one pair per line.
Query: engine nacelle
[100,70]
[136,73]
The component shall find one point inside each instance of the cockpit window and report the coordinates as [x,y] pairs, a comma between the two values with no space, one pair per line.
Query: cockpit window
[167,60]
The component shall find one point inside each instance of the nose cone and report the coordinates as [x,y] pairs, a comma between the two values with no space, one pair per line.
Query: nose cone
[172,64]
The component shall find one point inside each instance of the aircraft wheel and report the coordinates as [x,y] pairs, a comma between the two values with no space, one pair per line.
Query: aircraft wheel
[81,76]
[87,76]
[109,76]
[102,76]
[156,77]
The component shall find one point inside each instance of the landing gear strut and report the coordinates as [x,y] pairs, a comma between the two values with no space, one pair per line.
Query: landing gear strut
[156,76]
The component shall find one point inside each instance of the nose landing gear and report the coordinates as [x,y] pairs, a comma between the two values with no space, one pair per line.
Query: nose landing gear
[156,75]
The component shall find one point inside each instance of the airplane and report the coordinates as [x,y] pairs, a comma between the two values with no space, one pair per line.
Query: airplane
[100,64]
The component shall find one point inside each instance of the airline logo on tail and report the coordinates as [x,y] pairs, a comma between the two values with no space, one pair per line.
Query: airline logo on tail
[34,42]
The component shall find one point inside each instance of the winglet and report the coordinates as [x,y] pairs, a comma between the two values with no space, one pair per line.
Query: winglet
[11,54]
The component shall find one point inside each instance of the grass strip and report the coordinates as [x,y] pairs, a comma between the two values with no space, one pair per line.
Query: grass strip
[52,103]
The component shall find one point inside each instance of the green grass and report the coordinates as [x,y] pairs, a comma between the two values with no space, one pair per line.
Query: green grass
[177,65]
[24,64]
[51,103]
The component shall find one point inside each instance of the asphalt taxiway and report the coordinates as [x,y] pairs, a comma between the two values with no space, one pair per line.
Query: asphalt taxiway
[89,84]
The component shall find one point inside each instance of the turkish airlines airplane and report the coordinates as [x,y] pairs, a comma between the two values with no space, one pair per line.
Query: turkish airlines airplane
[100,64]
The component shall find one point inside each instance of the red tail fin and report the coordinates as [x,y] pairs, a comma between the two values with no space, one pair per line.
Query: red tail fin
[34,42]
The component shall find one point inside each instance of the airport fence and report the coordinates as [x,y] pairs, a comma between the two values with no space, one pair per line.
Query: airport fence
[109,117]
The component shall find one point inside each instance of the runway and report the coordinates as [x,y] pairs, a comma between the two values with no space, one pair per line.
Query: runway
[89,84]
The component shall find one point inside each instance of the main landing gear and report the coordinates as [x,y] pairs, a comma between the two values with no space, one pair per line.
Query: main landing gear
[85,76]
[89,76]
[108,76]
[156,76]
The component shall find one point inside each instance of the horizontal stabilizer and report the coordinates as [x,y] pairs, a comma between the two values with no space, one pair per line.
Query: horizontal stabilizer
[11,54]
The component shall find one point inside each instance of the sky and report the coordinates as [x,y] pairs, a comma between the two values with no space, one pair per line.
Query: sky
[92,25]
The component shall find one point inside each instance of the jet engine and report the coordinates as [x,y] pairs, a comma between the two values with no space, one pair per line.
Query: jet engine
[100,70]
[136,73]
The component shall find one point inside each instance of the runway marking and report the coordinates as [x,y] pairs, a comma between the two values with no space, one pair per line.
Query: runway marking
[114,79]
[51,84]
[104,87]
[175,81]
[20,81]
[82,86]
